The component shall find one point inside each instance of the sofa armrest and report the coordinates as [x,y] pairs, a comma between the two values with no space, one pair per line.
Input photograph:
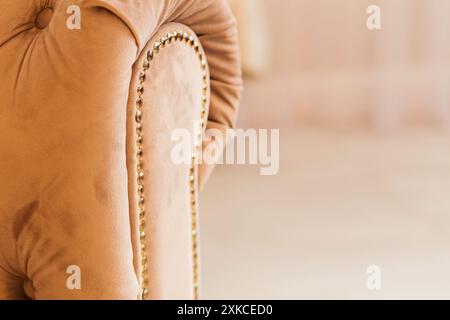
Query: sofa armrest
[215,26]
[169,95]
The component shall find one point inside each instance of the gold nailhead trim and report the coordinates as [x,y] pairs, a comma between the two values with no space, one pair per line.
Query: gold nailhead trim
[140,185]
[157,46]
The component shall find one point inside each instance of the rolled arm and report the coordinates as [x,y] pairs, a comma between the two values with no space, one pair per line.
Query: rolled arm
[215,25]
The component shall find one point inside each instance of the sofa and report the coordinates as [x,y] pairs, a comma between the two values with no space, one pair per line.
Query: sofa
[91,205]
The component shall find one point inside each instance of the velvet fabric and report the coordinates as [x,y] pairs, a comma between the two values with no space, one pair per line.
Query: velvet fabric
[67,164]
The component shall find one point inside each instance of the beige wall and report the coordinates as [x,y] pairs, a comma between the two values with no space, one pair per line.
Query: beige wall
[324,66]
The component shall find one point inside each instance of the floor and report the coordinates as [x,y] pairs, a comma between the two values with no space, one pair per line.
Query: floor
[342,201]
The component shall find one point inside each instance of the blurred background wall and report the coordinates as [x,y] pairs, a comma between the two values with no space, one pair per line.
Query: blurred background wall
[323,66]
[365,158]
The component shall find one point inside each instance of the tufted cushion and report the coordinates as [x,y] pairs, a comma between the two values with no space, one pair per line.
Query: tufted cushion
[67,142]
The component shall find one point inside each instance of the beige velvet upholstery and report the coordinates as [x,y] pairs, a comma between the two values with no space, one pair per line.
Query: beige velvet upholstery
[68,190]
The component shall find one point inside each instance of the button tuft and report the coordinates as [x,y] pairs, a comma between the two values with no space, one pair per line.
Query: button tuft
[43,18]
